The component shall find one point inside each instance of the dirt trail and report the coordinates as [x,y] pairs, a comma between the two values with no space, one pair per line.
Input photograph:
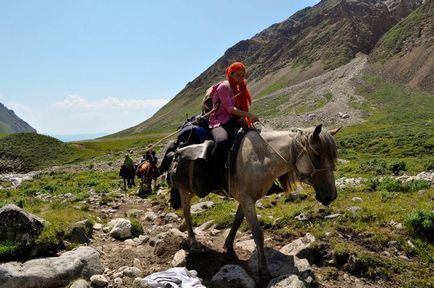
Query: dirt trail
[116,254]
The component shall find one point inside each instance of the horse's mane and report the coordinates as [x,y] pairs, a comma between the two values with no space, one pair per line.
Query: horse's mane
[302,142]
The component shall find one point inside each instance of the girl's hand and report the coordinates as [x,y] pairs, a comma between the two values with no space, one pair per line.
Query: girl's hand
[252,117]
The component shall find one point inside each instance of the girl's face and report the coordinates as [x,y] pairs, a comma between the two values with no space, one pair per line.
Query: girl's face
[238,76]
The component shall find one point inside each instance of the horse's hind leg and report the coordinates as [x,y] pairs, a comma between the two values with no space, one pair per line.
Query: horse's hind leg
[229,242]
[185,203]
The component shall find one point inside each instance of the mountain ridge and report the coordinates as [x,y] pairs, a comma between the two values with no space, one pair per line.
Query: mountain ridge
[11,123]
[311,42]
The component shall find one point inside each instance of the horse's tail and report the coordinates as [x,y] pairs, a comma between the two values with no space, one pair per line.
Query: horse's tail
[175,198]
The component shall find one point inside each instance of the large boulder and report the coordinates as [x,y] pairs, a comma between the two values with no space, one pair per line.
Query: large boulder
[18,225]
[232,276]
[82,262]
[282,264]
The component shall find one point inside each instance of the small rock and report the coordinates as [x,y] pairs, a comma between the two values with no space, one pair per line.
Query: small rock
[80,283]
[99,280]
[356,199]
[301,217]
[179,259]
[333,216]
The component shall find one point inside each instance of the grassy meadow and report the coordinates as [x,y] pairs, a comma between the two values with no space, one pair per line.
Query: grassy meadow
[388,236]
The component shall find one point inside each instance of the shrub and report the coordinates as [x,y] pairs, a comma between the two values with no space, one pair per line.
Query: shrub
[390,184]
[136,228]
[375,166]
[394,185]
[49,241]
[11,250]
[397,167]
[429,165]
[421,224]
[386,196]
[372,184]
[417,185]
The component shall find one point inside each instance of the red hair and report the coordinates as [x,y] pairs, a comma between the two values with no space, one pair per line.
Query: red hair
[243,99]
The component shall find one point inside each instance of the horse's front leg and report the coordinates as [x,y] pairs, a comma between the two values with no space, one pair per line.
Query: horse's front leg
[251,218]
[229,242]
[185,204]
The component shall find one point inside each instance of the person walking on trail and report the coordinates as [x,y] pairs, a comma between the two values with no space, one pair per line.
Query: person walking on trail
[231,101]
[150,156]
[129,162]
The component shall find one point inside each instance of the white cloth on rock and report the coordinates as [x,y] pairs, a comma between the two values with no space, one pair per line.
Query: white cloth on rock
[178,277]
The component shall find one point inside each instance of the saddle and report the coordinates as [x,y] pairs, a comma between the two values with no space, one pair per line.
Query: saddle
[191,168]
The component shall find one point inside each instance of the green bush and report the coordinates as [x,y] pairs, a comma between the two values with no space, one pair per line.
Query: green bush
[11,250]
[372,184]
[397,167]
[421,224]
[136,228]
[375,166]
[390,184]
[429,165]
[395,185]
[49,241]
[386,196]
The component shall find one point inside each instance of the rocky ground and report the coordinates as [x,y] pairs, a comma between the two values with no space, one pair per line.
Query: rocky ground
[339,110]
[150,256]
[163,245]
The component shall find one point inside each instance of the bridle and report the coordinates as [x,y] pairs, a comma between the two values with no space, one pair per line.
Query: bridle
[307,178]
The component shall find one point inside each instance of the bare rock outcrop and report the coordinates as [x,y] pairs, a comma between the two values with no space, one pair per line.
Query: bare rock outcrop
[82,262]
[18,225]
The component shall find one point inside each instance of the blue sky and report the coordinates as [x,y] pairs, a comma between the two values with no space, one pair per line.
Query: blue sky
[101,66]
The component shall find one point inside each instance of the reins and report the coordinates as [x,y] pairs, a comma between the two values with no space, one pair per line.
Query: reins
[268,144]
[304,150]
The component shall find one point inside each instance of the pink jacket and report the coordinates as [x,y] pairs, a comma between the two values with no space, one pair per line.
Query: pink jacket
[222,92]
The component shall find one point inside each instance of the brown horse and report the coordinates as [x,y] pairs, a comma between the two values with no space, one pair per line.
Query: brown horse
[127,174]
[304,155]
[146,173]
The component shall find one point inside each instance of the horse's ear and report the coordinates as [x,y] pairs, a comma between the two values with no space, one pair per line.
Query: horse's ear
[334,131]
[317,131]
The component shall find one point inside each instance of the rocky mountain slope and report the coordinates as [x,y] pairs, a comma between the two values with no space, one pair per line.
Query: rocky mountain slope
[310,43]
[406,53]
[11,123]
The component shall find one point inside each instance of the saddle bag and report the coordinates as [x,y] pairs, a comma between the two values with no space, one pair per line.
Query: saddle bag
[190,169]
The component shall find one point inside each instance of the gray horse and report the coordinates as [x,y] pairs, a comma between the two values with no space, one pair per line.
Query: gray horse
[306,155]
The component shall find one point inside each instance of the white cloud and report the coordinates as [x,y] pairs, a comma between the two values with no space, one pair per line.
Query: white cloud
[77,115]
[78,102]
[73,101]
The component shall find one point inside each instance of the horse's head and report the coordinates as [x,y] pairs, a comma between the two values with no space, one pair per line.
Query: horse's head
[315,163]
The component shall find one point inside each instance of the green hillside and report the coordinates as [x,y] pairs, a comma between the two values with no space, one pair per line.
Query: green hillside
[399,128]
[29,151]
